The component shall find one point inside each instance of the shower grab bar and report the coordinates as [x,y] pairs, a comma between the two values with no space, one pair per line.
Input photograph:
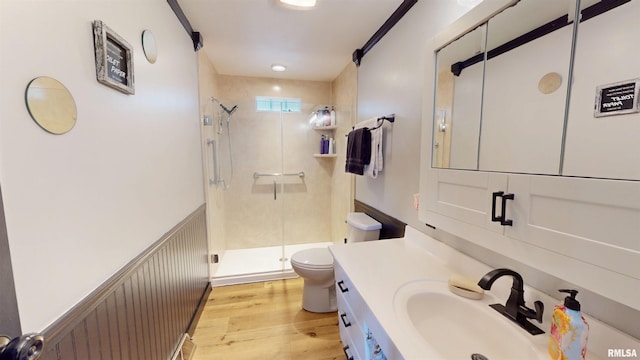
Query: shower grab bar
[216,168]
[258,175]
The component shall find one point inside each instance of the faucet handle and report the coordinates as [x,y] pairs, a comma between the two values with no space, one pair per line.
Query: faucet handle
[539,310]
[533,314]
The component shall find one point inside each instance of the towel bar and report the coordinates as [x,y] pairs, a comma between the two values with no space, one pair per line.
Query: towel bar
[390,118]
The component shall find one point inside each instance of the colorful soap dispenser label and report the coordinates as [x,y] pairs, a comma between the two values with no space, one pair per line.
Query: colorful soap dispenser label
[569,330]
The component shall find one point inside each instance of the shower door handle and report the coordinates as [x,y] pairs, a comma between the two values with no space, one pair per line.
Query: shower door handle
[274,190]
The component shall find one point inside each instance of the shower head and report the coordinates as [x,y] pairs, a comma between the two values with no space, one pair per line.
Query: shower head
[229,111]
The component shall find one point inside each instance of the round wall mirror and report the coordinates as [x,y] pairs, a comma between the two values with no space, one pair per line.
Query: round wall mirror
[51,105]
[149,46]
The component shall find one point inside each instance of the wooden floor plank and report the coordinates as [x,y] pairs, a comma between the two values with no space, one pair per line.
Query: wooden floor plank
[264,321]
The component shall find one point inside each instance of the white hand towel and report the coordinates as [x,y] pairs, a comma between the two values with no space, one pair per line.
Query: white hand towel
[375,164]
[369,123]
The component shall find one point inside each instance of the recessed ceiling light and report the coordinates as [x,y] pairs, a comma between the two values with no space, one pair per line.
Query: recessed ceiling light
[299,4]
[278,67]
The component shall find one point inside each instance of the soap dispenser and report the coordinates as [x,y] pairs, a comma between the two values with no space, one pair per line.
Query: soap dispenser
[569,330]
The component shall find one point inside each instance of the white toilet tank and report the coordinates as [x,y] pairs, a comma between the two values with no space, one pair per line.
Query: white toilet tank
[362,227]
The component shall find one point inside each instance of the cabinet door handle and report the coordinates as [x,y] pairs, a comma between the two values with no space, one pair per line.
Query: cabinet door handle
[346,354]
[504,221]
[493,206]
[343,288]
[503,215]
[343,317]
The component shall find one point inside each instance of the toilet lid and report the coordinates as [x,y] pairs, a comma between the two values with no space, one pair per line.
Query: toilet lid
[363,221]
[317,257]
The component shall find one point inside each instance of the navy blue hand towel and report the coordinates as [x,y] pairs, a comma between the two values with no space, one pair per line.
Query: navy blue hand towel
[358,151]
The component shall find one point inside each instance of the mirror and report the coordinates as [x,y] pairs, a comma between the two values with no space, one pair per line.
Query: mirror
[525,87]
[51,105]
[604,144]
[458,104]
[149,46]
[506,113]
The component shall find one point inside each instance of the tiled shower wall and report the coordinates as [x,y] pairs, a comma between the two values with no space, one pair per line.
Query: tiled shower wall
[253,218]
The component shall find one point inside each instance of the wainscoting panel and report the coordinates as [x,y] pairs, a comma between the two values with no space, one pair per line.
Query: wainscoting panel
[143,310]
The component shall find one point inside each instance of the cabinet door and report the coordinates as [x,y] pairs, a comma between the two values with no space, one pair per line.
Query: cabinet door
[465,195]
[583,230]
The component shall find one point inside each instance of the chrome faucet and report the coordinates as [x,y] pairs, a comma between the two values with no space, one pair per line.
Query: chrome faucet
[515,309]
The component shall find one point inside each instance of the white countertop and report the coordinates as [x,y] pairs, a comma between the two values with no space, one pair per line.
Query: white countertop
[379,268]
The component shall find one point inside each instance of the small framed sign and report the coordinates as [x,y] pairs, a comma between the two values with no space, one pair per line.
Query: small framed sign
[114,59]
[617,98]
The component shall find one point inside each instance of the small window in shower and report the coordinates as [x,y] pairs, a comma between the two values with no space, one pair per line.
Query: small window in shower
[264,103]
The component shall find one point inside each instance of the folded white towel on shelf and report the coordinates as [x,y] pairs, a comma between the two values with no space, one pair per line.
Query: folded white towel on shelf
[375,164]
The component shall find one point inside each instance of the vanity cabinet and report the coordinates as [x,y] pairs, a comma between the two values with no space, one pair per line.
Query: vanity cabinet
[579,229]
[464,196]
[582,226]
[359,328]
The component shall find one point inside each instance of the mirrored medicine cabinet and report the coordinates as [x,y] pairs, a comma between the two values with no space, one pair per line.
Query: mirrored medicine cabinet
[504,102]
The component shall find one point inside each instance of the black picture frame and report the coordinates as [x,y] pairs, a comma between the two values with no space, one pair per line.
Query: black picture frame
[114,59]
[622,97]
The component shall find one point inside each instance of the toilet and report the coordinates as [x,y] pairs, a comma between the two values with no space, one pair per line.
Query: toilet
[315,265]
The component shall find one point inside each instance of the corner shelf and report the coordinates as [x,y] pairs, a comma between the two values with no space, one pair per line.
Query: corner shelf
[325,155]
[325,128]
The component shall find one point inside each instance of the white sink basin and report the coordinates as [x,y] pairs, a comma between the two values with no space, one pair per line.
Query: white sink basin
[447,326]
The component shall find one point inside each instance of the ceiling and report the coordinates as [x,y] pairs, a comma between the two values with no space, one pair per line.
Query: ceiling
[245,37]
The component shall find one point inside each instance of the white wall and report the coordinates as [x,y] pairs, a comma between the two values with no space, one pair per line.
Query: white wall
[390,80]
[81,205]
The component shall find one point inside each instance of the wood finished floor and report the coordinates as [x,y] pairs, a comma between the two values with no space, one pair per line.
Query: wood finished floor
[264,321]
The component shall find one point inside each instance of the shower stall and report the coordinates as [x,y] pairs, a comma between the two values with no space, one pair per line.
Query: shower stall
[268,196]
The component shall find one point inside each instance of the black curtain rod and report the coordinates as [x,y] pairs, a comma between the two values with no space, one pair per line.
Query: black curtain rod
[587,13]
[196,37]
[358,54]
[600,7]
[536,33]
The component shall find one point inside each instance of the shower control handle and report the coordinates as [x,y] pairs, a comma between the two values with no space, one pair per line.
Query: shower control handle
[274,190]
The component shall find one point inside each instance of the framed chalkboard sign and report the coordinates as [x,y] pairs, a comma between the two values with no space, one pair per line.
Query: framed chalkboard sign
[617,98]
[114,59]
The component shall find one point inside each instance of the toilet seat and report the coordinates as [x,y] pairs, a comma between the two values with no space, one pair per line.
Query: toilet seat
[314,259]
